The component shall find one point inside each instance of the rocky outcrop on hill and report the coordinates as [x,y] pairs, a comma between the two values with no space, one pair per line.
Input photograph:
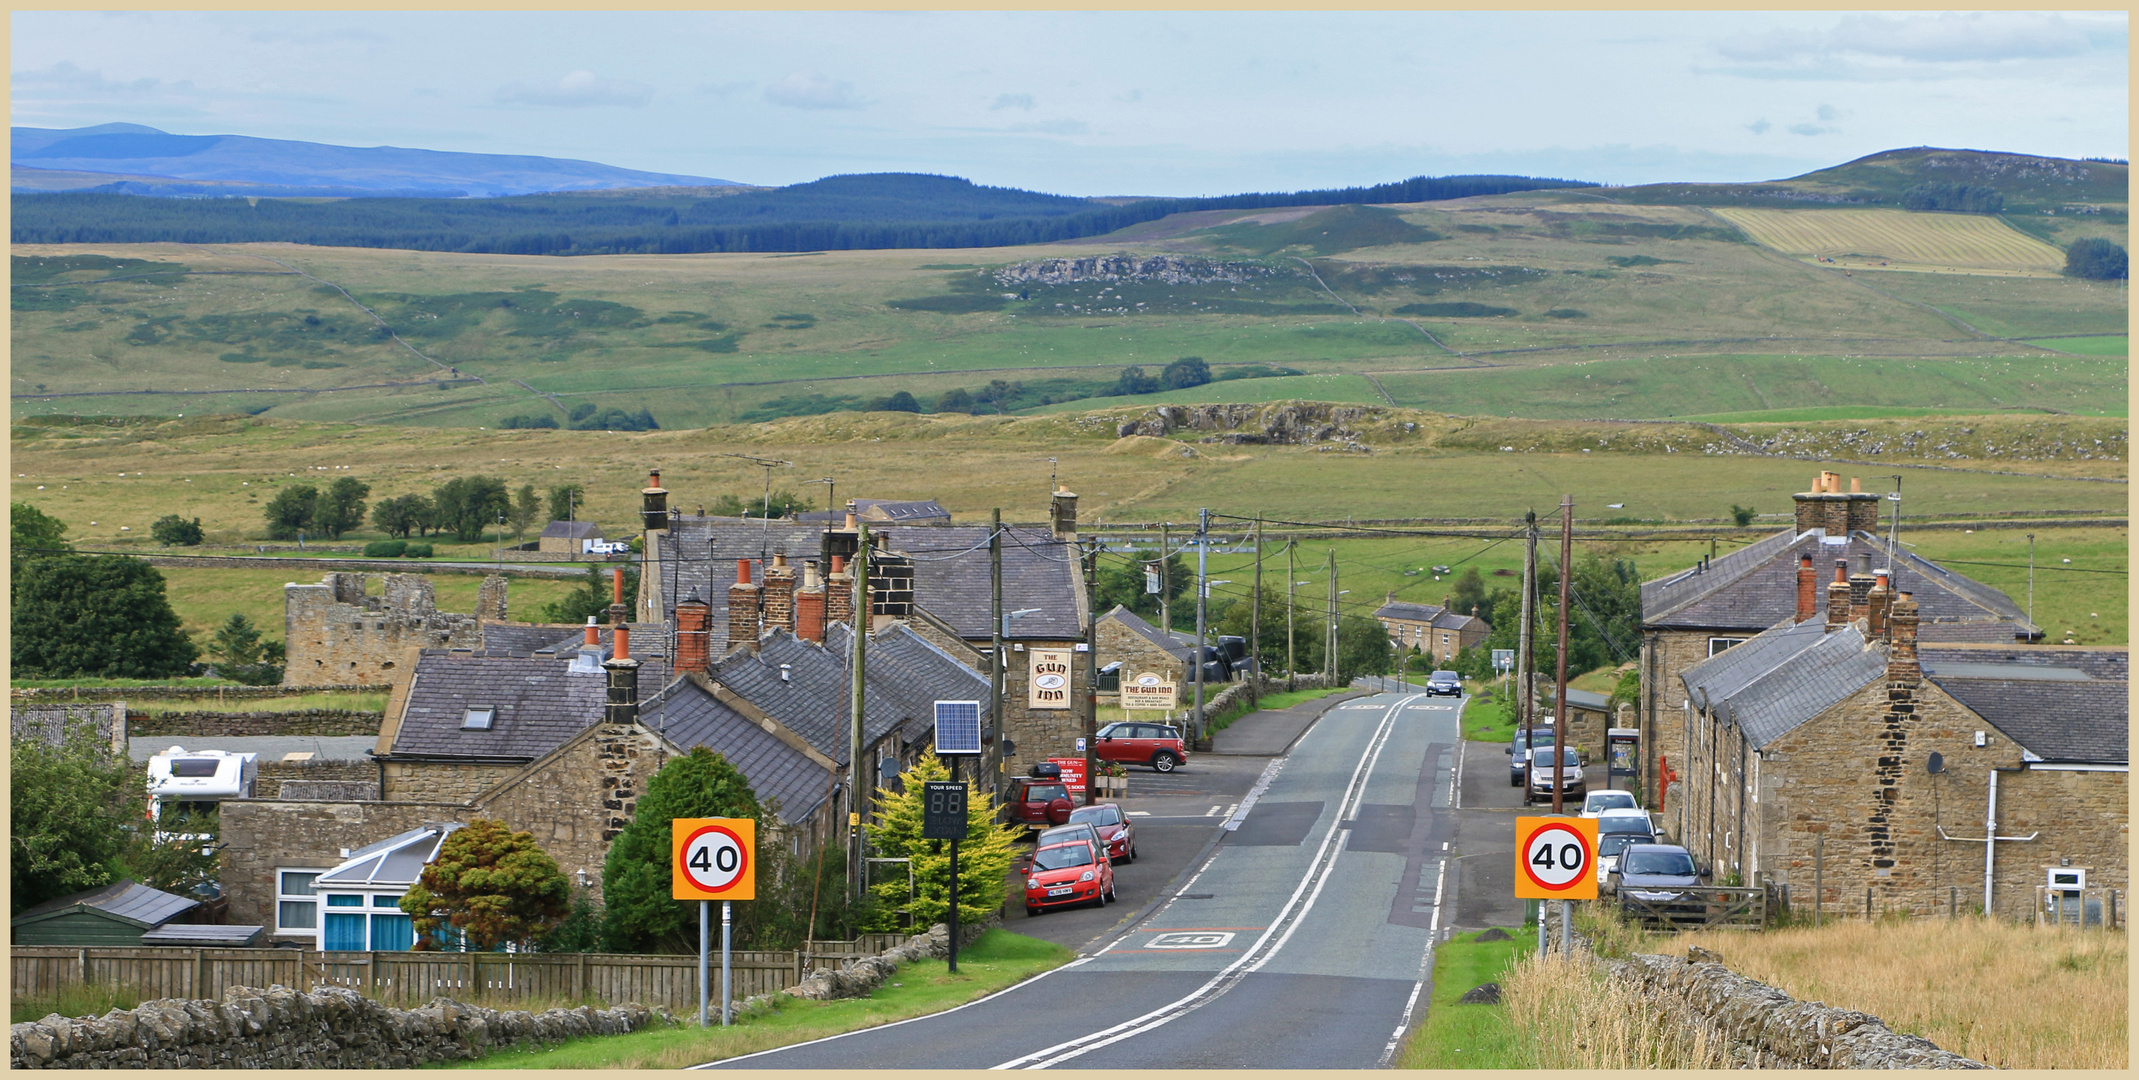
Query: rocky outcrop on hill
[1321,425]
[333,1027]
[1166,269]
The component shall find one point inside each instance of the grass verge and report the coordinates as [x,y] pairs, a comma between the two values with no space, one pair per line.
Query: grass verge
[72,1001]
[1565,1014]
[1284,700]
[997,960]
[1454,1035]
[342,702]
[1489,719]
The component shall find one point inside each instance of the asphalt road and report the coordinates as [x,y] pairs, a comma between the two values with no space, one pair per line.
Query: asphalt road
[1301,940]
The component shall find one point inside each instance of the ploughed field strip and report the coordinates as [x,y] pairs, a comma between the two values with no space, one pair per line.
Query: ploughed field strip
[1900,240]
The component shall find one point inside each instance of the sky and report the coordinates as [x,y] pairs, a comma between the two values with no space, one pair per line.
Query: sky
[1106,103]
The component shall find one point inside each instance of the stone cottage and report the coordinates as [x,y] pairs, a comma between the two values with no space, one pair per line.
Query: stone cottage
[1697,613]
[1849,751]
[1432,629]
[1141,648]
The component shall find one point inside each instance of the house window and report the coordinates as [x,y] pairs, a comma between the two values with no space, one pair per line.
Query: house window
[477,719]
[1718,644]
[296,903]
[349,927]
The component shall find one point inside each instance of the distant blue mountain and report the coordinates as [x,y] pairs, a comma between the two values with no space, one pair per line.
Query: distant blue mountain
[141,160]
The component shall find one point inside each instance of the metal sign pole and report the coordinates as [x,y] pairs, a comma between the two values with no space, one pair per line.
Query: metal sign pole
[727,992]
[954,907]
[703,907]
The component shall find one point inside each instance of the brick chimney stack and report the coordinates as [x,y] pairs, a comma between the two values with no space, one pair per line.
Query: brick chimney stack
[623,704]
[1878,603]
[1902,668]
[810,605]
[1063,508]
[839,593]
[617,611]
[745,601]
[694,645]
[1808,589]
[1838,513]
[780,595]
[1860,586]
[1838,596]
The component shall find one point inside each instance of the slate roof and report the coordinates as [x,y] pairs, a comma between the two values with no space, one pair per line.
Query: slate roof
[1449,620]
[1755,587]
[688,716]
[906,675]
[523,638]
[540,704]
[1780,679]
[571,530]
[882,510]
[51,722]
[271,748]
[2063,704]
[1588,699]
[1180,650]
[1409,612]
[950,570]
[125,900]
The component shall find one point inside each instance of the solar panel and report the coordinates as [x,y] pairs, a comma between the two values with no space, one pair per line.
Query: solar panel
[957,727]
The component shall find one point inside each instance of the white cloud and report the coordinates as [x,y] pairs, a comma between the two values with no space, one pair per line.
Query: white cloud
[580,89]
[1946,38]
[809,90]
[66,76]
[1014,101]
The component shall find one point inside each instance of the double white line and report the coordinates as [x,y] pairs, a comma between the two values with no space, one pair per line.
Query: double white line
[1267,946]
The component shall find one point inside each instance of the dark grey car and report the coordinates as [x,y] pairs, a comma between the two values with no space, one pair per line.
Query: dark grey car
[1656,874]
[1445,682]
[1518,769]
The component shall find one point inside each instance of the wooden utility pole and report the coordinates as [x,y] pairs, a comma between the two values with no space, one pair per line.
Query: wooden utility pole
[1255,623]
[1091,671]
[1203,589]
[1292,671]
[1165,585]
[1329,641]
[856,669]
[994,756]
[1524,661]
[1559,694]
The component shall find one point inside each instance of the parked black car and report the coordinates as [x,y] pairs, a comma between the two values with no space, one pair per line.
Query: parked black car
[1518,768]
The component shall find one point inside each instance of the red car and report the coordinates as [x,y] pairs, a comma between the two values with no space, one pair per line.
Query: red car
[1115,829]
[1134,743]
[1037,802]
[1068,874]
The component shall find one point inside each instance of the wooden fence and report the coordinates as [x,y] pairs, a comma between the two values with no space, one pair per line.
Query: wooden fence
[412,978]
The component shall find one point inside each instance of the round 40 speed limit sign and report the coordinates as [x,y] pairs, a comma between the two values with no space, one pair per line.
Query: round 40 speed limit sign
[713,858]
[1556,858]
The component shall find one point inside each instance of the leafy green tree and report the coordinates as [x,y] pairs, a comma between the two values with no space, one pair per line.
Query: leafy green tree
[293,510]
[400,515]
[984,856]
[957,399]
[565,501]
[782,503]
[466,506]
[1123,583]
[581,411]
[1132,381]
[492,885]
[636,880]
[240,653]
[899,401]
[2097,260]
[72,809]
[525,506]
[595,592]
[182,853]
[1742,515]
[76,615]
[171,529]
[998,394]
[342,507]
[581,928]
[1186,372]
[34,534]
[1363,647]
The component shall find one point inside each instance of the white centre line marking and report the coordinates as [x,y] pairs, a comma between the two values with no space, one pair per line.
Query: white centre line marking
[1266,947]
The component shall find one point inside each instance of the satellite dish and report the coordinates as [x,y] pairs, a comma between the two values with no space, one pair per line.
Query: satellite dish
[1936,763]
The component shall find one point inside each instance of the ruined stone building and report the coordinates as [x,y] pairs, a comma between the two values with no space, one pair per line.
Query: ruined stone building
[1697,613]
[337,634]
[1844,748]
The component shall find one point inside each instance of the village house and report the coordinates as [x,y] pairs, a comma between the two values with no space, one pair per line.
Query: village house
[1844,751]
[1433,630]
[1697,613]
[1124,638]
[569,537]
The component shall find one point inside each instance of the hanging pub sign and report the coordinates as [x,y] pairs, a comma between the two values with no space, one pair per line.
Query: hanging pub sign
[1048,679]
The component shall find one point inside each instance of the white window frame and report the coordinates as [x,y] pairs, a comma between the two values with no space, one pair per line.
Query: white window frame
[1719,644]
[311,898]
[369,907]
[488,718]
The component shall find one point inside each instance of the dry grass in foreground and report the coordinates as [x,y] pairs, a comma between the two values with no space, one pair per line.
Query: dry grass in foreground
[1570,1016]
[2012,996]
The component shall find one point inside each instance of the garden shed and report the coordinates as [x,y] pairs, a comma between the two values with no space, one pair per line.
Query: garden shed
[117,915]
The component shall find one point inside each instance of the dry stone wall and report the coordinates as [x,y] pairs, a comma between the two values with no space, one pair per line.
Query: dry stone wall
[227,724]
[331,1027]
[1765,1028]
